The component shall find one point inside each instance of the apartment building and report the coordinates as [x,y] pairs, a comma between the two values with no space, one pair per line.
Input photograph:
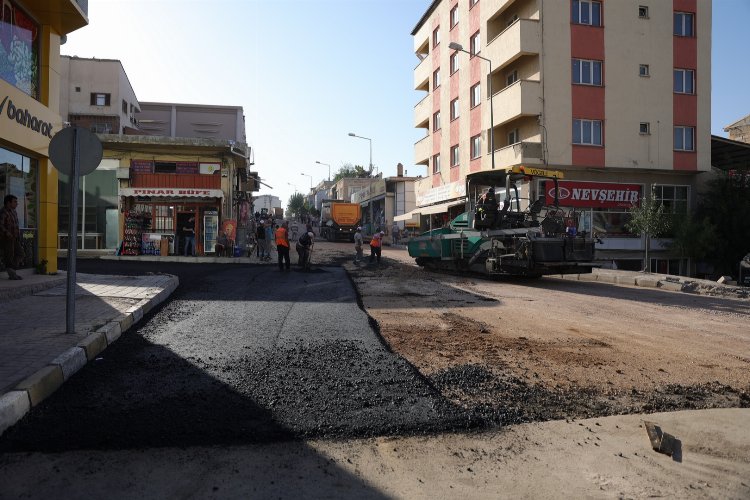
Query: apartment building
[96,94]
[30,67]
[614,93]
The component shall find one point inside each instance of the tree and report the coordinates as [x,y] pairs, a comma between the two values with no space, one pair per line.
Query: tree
[349,170]
[693,237]
[649,220]
[297,205]
[726,203]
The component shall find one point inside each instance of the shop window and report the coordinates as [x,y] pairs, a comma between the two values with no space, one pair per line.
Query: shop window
[19,49]
[18,176]
[674,198]
[612,224]
[675,267]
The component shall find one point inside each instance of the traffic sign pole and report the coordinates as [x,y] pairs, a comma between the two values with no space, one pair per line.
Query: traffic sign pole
[70,303]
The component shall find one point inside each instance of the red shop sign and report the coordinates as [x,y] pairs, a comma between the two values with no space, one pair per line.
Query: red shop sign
[594,194]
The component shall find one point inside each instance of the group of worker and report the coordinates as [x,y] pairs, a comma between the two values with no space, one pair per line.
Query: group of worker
[304,246]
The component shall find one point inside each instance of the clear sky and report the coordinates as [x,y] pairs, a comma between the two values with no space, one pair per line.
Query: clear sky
[308,72]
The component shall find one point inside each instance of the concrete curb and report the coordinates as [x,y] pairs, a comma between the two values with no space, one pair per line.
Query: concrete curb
[663,282]
[31,288]
[37,387]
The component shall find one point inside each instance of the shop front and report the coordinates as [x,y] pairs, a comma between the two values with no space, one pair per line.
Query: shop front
[170,221]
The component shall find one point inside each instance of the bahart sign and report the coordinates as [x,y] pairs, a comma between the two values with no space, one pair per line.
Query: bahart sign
[25,121]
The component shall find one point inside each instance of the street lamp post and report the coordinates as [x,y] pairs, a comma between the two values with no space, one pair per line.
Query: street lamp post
[458,47]
[311,180]
[372,210]
[327,165]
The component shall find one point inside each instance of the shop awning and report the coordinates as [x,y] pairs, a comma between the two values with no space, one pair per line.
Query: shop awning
[429,210]
[172,192]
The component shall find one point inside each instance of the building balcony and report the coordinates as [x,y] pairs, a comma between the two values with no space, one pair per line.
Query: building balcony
[64,16]
[422,112]
[423,150]
[423,74]
[519,39]
[521,153]
[523,98]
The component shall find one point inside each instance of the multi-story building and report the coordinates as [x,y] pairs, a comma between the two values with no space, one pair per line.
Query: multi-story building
[616,94]
[739,130]
[30,70]
[96,94]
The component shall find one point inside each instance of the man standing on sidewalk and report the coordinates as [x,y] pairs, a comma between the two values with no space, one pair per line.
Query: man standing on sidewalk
[10,237]
[282,246]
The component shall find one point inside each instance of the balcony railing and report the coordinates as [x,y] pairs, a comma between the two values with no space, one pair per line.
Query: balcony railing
[521,38]
[521,153]
[422,150]
[422,112]
[423,74]
[523,98]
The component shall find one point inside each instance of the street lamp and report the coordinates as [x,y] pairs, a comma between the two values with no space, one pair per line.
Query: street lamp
[458,47]
[327,165]
[372,210]
[295,187]
[311,177]
[352,134]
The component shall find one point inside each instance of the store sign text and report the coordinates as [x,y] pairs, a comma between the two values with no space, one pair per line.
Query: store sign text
[594,194]
[171,192]
[26,119]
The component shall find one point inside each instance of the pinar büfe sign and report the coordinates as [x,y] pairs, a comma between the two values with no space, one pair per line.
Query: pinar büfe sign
[594,194]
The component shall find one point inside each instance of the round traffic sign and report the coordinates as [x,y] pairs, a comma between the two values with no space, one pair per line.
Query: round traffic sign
[89,150]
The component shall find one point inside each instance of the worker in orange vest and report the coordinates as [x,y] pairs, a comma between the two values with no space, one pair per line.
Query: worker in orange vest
[376,244]
[282,246]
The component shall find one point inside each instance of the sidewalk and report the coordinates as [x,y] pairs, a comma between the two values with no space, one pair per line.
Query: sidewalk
[37,355]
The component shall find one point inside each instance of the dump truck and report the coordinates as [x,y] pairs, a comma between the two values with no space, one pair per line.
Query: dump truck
[339,220]
[499,237]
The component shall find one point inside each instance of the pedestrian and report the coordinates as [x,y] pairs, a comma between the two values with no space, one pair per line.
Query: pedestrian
[395,233]
[304,246]
[358,242]
[10,237]
[376,244]
[269,239]
[260,235]
[222,245]
[282,246]
[188,234]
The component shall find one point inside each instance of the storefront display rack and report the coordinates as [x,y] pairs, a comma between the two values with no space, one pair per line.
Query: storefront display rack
[135,224]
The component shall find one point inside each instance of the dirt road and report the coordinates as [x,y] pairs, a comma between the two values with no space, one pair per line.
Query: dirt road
[551,348]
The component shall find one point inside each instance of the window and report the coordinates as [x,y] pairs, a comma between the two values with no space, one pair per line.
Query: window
[454,156]
[683,138]
[435,37]
[436,164]
[476,146]
[454,109]
[476,95]
[643,70]
[454,62]
[99,99]
[124,106]
[474,43]
[19,50]
[587,132]
[644,128]
[683,24]
[684,81]
[454,16]
[643,11]
[512,19]
[513,137]
[585,12]
[674,198]
[78,89]
[472,3]
[436,121]
[511,78]
[436,79]
[587,72]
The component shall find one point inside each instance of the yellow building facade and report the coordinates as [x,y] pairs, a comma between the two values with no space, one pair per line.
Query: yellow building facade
[30,37]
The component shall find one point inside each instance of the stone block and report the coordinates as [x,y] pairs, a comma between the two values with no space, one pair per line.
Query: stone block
[71,361]
[111,331]
[13,406]
[94,344]
[41,384]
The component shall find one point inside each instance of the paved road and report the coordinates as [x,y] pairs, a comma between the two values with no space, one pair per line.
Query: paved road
[240,354]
